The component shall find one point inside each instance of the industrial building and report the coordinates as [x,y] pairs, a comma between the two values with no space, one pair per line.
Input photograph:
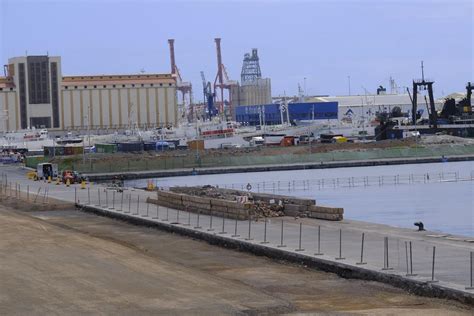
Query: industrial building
[365,107]
[33,93]
[273,114]
[253,89]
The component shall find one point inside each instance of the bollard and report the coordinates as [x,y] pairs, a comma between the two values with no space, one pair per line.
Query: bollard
[386,265]
[319,253]
[235,228]
[471,287]
[222,232]
[75,195]
[281,245]
[210,229]
[433,267]
[113,200]
[340,246]
[249,237]
[362,251]
[88,196]
[197,221]
[28,193]
[265,233]
[299,244]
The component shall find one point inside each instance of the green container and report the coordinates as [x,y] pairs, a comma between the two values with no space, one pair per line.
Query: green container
[106,148]
[33,161]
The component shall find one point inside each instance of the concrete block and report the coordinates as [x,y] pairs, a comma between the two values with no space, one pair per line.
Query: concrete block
[325,209]
[295,208]
[326,216]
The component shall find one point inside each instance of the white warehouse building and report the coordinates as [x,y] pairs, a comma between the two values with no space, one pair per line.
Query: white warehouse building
[33,93]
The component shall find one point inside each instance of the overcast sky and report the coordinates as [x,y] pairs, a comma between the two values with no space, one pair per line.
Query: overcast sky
[324,41]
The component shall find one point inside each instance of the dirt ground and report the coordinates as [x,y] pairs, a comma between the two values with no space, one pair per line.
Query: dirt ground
[68,262]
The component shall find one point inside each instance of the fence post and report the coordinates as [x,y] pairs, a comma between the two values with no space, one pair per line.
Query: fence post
[411,261]
[299,243]
[386,265]
[433,267]
[138,205]
[88,196]
[121,202]
[281,245]
[106,199]
[129,203]
[471,287]
[265,232]
[362,251]
[147,209]
[340,246]
[167,214]
[222,232]
[98,194]
[235,228]
[189,217]
[210,229]
[157,211]
[197,221]
[113,200]
[319,253]
[249,237]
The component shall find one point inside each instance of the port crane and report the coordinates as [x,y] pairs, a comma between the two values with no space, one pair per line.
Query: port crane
[182,86]
[208,96]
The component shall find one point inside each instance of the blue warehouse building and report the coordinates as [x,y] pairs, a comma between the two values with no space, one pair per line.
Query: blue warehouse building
[270,114]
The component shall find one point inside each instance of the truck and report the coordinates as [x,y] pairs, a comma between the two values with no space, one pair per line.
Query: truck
[45,170]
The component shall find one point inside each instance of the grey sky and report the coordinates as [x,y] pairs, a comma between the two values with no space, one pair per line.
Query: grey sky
[324,41]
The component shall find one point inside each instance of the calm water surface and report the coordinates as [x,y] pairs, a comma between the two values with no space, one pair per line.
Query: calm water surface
[444,206]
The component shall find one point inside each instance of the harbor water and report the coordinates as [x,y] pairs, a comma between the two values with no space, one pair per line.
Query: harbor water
[441,195]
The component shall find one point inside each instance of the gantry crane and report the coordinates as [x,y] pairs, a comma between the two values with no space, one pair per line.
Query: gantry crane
[208,96]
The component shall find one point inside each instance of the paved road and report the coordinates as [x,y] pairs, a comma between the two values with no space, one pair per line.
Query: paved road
[452,263]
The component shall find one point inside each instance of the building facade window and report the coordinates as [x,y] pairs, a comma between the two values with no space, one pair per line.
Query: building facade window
[38,79]
[22,84]
[55,94]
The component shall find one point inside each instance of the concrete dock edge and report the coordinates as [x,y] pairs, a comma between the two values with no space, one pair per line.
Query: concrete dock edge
[133,175]
[344,270]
